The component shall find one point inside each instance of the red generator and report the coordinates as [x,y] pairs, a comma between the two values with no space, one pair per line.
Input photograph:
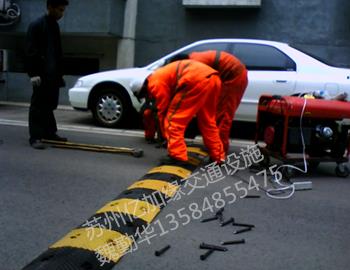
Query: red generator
[287,124]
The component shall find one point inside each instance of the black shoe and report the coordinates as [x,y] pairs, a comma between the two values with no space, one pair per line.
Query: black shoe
[150,140]
[162,144]
[57,138]
[37,144]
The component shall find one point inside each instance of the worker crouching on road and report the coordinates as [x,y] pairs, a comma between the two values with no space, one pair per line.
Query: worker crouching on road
[181,90]
[233,75]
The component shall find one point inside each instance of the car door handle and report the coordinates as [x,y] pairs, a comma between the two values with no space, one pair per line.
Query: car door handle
[281,81]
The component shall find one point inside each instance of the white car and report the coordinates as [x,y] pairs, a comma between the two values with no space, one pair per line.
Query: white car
[273,68]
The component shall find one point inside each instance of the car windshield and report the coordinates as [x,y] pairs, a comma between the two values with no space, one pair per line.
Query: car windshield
[156,64]
[319,58]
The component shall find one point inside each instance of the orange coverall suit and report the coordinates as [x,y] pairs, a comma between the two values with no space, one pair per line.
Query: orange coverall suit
[181,90]
[234,79]
[149,124]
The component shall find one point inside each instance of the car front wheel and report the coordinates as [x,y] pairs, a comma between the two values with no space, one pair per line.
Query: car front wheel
[109,108]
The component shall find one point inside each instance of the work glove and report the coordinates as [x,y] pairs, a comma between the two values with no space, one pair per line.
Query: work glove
[36,81]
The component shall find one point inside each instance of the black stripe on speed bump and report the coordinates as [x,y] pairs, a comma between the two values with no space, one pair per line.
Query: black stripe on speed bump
[68,259]
[187,166]
[170,178]
[144,194]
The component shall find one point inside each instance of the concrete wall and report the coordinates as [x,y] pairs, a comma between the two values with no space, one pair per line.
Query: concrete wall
[90,29]
[321,26]
[17,88]
[93,17]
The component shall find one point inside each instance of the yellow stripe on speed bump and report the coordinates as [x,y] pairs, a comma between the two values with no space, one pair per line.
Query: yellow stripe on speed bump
[179,171]
[133,207]
[109,244]
[197,150]
[164,187]
[194,161]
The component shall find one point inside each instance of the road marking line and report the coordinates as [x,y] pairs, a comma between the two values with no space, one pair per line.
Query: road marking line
[118,132]
[27,105]
[95,130]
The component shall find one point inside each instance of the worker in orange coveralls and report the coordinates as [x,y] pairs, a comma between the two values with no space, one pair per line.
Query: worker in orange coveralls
[234,79]
[233,75]
[181,90]
[150,124]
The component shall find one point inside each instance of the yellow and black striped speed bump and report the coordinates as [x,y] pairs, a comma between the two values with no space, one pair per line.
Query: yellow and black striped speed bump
[118,223]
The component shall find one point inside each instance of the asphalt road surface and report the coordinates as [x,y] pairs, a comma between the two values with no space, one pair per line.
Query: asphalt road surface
[45,194]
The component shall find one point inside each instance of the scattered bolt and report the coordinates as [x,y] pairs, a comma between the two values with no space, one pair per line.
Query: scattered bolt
[220,215]
[206,255]
[243,225]
[252,196]
[227,222]
[233,242]
[220,211]
[209,219]
[161,251]
[221,218]
[207,246]
[242,231]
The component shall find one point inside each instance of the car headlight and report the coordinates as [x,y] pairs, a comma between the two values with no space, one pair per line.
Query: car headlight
[79,83]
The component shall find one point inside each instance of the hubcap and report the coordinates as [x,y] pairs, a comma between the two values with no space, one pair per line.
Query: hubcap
[109,108]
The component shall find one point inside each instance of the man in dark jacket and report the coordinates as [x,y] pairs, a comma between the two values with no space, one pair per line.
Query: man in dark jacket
[44,67]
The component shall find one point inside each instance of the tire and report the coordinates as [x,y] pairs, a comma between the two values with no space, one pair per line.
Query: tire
[342,170]
[110,108]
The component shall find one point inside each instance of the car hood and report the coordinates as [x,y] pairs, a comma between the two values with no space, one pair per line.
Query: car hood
[121,76]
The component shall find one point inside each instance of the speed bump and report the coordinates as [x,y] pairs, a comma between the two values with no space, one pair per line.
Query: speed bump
[77,250]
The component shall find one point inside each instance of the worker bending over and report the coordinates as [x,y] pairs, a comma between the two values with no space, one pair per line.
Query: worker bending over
[233,75]
[150,122]
[181,90]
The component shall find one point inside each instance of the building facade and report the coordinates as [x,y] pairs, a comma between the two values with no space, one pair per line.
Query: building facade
[106,34]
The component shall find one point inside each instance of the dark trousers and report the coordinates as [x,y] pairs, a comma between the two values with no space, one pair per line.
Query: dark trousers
[42,122]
